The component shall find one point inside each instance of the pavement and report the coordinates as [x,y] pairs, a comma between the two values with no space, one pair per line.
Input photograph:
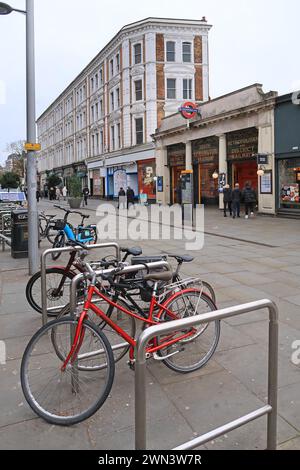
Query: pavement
[244,260]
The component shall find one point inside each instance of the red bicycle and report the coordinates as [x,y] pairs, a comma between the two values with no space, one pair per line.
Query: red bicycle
[68,367]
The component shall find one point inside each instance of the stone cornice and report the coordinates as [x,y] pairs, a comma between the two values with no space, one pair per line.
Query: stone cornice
[267,105]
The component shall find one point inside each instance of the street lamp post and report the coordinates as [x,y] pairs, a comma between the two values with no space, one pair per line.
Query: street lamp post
[31,132]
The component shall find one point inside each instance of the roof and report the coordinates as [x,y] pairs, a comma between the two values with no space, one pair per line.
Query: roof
[125,29]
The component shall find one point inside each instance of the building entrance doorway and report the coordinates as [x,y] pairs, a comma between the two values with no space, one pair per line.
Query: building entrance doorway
[176,184]
[244,172]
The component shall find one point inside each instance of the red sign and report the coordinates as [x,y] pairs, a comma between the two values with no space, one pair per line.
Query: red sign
[189,110]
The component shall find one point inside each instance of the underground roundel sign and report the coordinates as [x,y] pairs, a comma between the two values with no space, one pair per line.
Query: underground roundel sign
[189,110]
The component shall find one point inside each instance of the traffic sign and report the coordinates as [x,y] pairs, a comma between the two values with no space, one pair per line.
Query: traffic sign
[32,147]
[189,110]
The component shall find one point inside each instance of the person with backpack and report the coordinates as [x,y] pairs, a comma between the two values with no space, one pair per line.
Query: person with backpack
[249,198]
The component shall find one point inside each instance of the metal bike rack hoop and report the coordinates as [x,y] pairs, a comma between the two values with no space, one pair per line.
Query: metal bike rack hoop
[270,409]
[66,250]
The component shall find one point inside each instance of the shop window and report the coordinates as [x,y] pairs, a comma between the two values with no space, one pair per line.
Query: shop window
[289,183]
[146,176]
[170,46]
[171,88]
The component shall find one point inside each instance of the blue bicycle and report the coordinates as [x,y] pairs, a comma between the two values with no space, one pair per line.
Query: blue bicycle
[66,232]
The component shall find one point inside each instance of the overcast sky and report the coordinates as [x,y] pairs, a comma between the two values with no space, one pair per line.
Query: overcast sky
[251,41]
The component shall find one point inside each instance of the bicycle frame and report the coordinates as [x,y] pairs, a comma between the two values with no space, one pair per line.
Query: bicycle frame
[153,348]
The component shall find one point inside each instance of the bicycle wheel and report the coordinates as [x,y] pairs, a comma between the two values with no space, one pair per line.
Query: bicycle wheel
[51,234]
[194,352]
[66,398]
[59,242]
[124,321]
[56,300]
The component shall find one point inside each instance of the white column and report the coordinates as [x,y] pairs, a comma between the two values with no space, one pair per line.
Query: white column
[223,167]
[188,156]
[266,202]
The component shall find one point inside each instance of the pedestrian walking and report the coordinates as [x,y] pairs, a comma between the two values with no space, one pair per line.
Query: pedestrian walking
[236,201]
[58,194]
[122,198]
[38,195]
[227,193]
[249,197]
[52,194]
[86,193]
[130,197]
[65,193]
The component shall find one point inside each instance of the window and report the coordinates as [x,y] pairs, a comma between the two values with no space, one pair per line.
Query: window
[138,90]
[187,52]
[92,114]
[118,62]
[101,142]
[101,77]
[187,89]
[171,88]
[101,108]
[113,143]
[92,84]
[170,51]
[118,97]
[119,135]
[93,146]
[111,68]
[112,101]
[139,131]
[97,81]
[138,54]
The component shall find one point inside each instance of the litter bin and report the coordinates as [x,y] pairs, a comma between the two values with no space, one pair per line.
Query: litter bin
[19,234]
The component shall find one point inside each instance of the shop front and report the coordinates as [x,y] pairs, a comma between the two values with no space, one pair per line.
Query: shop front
[205,163]
[287,151]
[176,163]
[67,173]
[81,172]
[242,149]
[288,174]
[122,177]
[97,184]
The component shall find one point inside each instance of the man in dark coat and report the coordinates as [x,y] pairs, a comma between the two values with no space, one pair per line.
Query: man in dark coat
[227,193]
[130,197]
[236,201]
[86,193]
[249,197]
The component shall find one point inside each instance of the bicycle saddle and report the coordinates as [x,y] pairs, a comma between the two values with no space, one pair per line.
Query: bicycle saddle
[183,258]
[135,251]
[162,276]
